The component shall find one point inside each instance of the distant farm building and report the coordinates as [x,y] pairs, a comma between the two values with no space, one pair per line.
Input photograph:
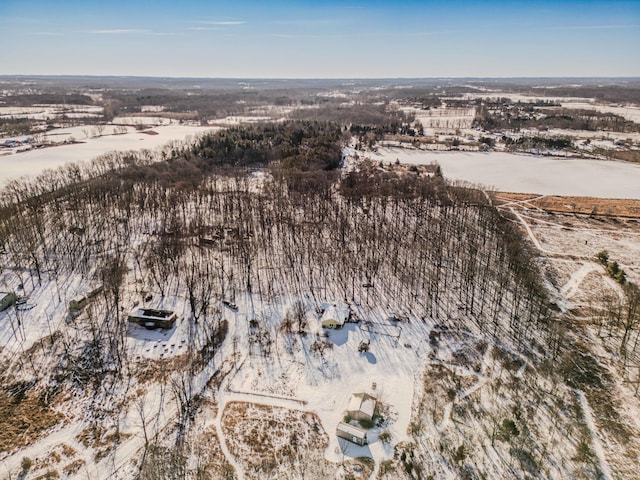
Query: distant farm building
[151,318]
[80,302]
[352,433]
[7,299]
[335,316]
[361,406]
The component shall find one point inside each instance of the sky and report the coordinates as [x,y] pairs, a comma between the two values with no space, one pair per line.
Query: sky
[320,39]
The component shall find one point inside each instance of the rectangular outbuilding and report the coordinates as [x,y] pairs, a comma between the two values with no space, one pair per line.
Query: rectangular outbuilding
[352,433]
[152,318]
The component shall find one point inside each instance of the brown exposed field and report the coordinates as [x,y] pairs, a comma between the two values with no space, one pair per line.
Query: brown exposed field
[582,205]
[266,439]
[24,416]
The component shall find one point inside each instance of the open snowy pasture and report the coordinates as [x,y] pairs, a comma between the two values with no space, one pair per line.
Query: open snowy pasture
[604,139]
[511,172]
[143,121]
[33,162]
[443,118]
[236,120]
[630,112]
[51,112]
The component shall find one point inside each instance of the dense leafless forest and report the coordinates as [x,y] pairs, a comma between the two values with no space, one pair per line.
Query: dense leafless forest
[250,233]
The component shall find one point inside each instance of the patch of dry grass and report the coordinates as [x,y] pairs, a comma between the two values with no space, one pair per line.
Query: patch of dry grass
[272,441]
[157,370]
[102,441]
[211,464]
[24,416]
[582,205]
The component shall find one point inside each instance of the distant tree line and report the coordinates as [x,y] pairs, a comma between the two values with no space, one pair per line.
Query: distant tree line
[509,116]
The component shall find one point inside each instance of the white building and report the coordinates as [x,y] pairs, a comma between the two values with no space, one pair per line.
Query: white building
[352,433]
[335,315]
[361,406]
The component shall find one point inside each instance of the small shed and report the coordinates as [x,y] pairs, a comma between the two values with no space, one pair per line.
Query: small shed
[152,318]
[7,299]
[78,303]
[361,406]
[335,315]
[352,433]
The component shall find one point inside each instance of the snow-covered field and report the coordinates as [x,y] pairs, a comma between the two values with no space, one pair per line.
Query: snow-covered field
[521,173]
[143,120]
[630,112]
[443,118]
[50,112]
[35,161]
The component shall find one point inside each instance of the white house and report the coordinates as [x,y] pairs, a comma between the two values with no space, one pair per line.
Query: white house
[361,406]
[335,315]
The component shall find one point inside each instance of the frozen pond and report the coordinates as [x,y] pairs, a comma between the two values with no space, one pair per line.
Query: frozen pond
[34,162]
[511,172]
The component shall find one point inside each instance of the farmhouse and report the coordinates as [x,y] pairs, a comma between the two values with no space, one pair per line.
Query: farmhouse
[361,406]
[335,316]
[352,433]
[7,299]
[151,318]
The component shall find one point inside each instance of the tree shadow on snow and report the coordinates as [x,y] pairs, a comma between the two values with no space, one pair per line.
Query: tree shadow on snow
[349,449]
[371,358]
[150,334]
[340,336]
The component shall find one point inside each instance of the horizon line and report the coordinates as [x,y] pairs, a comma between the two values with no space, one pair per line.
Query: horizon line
[436,77]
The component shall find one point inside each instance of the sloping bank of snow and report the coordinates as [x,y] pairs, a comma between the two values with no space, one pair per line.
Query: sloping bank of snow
[512,172]
[34,162]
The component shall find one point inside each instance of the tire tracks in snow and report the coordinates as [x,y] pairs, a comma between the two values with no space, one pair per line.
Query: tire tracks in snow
[595,439]
[572,286]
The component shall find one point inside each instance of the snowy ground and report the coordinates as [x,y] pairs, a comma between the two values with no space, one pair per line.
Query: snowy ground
[511,172]
[443,117]
[292,376]
[35,161]
[630,112]
[51,112]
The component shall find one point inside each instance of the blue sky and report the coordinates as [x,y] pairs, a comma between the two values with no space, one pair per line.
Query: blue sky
[321,39]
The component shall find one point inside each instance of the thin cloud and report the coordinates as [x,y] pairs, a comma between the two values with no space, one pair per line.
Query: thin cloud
[207,22]
[433,32]
[287,35]
[119,31]
[128,31]
[48,34]
[594,27]
[311,22]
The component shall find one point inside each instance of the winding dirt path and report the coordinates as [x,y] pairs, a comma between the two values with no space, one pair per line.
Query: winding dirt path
[597,443]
